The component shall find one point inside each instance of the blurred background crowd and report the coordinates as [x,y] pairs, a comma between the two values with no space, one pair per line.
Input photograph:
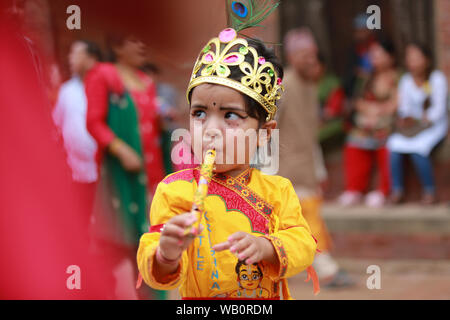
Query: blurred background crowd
[364,119]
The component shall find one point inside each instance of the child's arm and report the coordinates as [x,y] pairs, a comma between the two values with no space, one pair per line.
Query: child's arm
[161,258]
[172,243]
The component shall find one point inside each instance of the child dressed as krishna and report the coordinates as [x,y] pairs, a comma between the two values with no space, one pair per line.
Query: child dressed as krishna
[251,235]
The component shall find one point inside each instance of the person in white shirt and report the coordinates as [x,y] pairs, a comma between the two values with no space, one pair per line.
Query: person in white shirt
[422,121]
[69,116]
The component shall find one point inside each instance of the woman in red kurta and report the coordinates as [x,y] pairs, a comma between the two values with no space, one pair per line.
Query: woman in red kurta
[105,78]
[123,118]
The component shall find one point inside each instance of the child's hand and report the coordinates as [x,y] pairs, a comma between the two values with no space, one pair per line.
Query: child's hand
[173,239]
[248,248]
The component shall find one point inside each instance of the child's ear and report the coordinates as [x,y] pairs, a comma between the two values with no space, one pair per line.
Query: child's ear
[265,134]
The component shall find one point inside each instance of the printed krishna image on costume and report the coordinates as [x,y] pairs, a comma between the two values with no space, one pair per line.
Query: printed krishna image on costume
[249,278]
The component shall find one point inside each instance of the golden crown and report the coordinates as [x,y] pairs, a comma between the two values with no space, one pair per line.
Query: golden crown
[260,79]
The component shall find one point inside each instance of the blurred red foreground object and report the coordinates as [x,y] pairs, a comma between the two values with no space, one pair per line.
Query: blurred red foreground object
[41,228]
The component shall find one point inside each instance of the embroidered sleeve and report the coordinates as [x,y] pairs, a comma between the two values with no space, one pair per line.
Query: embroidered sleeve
[277,272]
[292,240]
[165,205]
[146,259]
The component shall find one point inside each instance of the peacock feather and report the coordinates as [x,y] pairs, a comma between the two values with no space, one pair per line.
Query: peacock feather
[244,14]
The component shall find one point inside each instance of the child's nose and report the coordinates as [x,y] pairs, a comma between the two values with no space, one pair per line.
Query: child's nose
[212,126]
[212,133]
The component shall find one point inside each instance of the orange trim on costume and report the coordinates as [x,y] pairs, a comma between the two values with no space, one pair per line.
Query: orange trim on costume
[281,253]
[315,280]
[285,290]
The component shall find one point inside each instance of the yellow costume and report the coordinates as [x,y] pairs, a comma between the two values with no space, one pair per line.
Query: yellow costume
[253,202]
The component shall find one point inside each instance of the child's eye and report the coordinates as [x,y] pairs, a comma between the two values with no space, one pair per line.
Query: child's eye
[233,116]
[199,114]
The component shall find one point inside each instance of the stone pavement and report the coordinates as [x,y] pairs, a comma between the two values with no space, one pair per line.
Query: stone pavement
[400,279]
[394,232]
[404,219]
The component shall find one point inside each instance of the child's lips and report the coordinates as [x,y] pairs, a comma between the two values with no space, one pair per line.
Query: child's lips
[209,147]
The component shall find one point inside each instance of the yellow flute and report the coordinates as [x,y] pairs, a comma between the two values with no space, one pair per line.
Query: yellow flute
[198,206]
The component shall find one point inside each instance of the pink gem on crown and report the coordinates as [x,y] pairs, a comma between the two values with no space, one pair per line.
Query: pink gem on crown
[227,35]
[208,57]
[231,59]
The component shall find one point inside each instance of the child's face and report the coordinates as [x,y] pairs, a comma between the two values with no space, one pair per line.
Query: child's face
[218,119]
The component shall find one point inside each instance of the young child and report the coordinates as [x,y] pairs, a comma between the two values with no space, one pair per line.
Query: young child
[252,235]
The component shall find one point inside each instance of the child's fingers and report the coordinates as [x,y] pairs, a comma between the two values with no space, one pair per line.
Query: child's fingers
[247,253]
[196,231]
[176,242]
[253,258]
[237,236]
[221,246]
[190,219]
[241,245]
[173,230]
[171,242]
[184,220]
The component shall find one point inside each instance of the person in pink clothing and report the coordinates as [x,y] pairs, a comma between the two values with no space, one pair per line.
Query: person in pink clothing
[374,106]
